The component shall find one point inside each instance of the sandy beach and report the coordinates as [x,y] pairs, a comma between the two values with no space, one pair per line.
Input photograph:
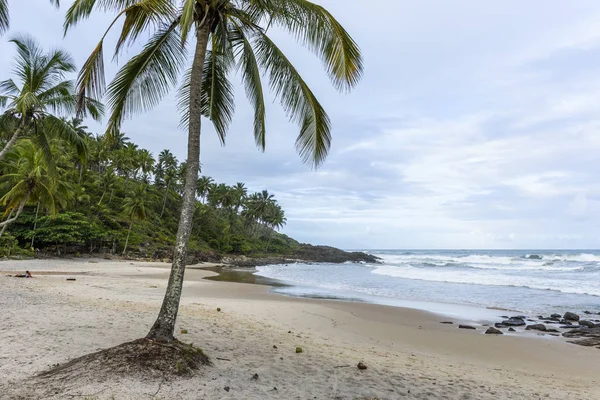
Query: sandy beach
[409,354]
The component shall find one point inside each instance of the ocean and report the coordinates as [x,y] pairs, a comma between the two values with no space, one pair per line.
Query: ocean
[455,282]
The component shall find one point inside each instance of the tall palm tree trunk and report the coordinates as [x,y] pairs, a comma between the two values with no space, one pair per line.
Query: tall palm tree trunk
[13,139]
[13,219]
[6,226]
[37,211]
[164,201]
[128,232]
[101,198]
[163,328]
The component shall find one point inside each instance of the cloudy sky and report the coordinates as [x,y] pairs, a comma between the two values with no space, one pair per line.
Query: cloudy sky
[476,126]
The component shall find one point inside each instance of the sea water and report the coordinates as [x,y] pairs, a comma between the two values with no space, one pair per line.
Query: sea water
[528,281]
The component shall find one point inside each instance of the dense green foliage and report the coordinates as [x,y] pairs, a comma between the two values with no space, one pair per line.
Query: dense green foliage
[90,206]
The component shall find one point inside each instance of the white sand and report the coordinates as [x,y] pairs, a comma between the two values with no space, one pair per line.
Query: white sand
[47,320]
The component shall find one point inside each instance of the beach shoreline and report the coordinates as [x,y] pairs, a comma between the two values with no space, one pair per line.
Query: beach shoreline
[406,350]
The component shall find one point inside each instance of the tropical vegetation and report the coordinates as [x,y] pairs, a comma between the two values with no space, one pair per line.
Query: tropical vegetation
[231,36]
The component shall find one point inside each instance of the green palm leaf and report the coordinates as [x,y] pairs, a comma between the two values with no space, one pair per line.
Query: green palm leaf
[298,100]
[315,27]
[252,81]
[4,20]
[147,77]
[217,99]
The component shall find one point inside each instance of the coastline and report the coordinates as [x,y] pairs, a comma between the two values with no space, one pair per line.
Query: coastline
[405,349]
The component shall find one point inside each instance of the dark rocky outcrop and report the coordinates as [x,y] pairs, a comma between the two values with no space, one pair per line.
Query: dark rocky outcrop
[511,330]
[514,321]
[328,254]
[585,336]
[305,253]
[569,316]
[536,327]
[493,331]
[533,257]
[466,327]
[588,324]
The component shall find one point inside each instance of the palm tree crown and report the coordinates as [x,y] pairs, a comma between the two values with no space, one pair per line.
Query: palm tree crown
[237,42]
[42,96]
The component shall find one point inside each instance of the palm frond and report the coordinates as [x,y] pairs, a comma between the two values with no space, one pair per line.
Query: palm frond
[147,77]
[41,142]
[183,99]
[253,84]
[298,100]
[316,28]
[4,19]
[60,128]
[141,15]
[217,99]
[82,9]
[187,18]
[9,88]
[91,82]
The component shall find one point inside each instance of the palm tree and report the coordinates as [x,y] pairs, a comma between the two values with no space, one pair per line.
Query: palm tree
[4,17]
[145,163]
[236,34]
[134,207]
[203,186]
[240,192]
[116,140]
[169,178]
[26,180]
[43,95]
[107,182]
[274,219]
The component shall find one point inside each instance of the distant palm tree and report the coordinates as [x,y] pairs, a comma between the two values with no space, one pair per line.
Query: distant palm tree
[26,180]
[236,31]
[170,178]
[107,183]
[134,207]
[116,140]
[43,95]
[145,163]
[4,17]
[240,192]
[203,187]
[274,219]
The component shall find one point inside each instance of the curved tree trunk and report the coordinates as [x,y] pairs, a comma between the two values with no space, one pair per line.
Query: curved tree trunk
[37,211]
[163,328]
[127,240]
[13,139]
[164,201]
[5,226]
[13,219]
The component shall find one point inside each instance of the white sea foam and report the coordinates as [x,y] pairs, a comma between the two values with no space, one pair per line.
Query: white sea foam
[496,279]
[506,279]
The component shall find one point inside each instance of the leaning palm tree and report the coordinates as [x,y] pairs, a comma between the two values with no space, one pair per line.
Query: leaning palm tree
[4,17]
[231,35]
[134,207]
[25,179]
[43,96]
[203,186]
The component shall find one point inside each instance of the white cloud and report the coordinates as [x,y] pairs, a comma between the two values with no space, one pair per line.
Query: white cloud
[476,125]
